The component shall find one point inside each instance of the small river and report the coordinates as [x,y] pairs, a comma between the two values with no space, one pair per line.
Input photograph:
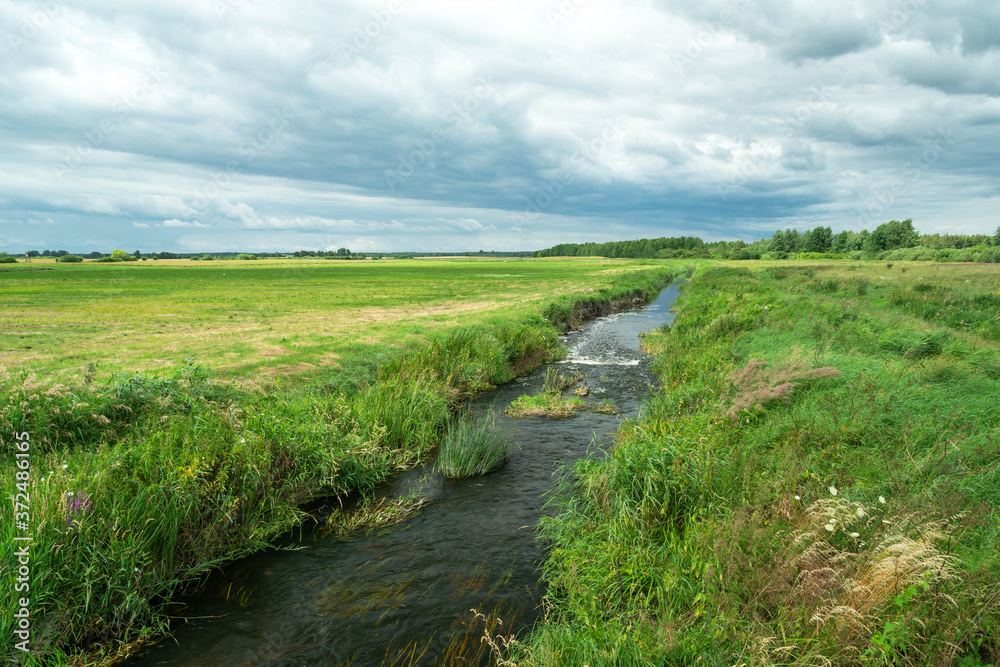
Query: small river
[403,595]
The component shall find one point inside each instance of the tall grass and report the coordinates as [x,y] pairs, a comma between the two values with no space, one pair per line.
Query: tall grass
[472,446]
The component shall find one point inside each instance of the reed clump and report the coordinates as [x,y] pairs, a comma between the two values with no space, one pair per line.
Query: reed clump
[473,445]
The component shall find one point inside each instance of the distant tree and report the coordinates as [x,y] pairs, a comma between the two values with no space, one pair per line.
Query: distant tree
[69,259]
[891,235]
[95,255]
[32,253]
[343,252]
[60,253]
[137,254]
[121,256]
[847,241]
[785,241]
[207,257]
[46,253]
[996,238]
[245,255]
[117,255]
[819,240]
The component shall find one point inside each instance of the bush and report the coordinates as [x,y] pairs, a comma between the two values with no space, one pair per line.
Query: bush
[70,259]
[117,256]
[244,255]
[7,259]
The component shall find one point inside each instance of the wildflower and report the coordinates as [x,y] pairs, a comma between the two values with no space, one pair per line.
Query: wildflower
[855,535]
[242,440]
[78,505]
[881,499]
[798,498]
[860,512]
[65,465]
[833,490]
[829,527]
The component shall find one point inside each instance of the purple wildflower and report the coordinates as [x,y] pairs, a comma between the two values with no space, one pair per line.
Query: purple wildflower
[78,504]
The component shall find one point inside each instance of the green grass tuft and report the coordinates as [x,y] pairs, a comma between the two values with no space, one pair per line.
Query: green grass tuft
[473,446]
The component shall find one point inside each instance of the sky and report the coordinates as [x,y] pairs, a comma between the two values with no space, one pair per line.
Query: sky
[439,125]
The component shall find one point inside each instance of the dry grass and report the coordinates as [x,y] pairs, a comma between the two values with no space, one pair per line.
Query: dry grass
[848,564]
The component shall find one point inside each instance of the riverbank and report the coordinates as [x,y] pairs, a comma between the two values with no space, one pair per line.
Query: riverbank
[816,481]
[141,485]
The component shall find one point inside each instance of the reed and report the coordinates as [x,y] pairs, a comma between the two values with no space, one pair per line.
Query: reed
[473,445]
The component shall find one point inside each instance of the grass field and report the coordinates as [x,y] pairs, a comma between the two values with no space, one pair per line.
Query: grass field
[172,417]
[815,483]
[256,319]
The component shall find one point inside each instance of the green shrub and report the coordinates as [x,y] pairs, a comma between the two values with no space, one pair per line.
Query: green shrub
[7,259]
[117,256]
[244,255]
[70,259]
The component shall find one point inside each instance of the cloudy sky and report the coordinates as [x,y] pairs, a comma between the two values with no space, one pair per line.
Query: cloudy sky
[201,125]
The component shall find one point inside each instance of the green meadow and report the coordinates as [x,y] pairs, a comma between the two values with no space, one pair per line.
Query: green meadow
[816,481]
[259,319]
[176,416]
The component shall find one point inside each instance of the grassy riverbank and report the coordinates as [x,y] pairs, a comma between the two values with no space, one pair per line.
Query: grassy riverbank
[815,483]
[140,483]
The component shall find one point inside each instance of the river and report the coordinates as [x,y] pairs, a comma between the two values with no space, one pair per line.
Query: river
[403,594]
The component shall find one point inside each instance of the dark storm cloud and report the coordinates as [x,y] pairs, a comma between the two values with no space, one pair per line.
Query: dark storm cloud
[394,124]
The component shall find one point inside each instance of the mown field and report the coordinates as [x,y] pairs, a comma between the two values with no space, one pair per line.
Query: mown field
[816,482]
[255,319]
[177,416]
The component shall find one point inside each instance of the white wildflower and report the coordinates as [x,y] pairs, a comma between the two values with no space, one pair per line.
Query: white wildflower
[860,512]
[833,490]
[798,498]
[855,535]
[829,527]
[881,499]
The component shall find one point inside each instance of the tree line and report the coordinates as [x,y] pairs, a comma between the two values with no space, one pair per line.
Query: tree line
[897,238]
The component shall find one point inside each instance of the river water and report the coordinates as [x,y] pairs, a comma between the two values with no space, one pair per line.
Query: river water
[403,594]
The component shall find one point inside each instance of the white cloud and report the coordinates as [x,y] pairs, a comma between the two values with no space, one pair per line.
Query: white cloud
[183,223]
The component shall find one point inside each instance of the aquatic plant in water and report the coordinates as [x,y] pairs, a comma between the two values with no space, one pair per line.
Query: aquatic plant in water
[472,446]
